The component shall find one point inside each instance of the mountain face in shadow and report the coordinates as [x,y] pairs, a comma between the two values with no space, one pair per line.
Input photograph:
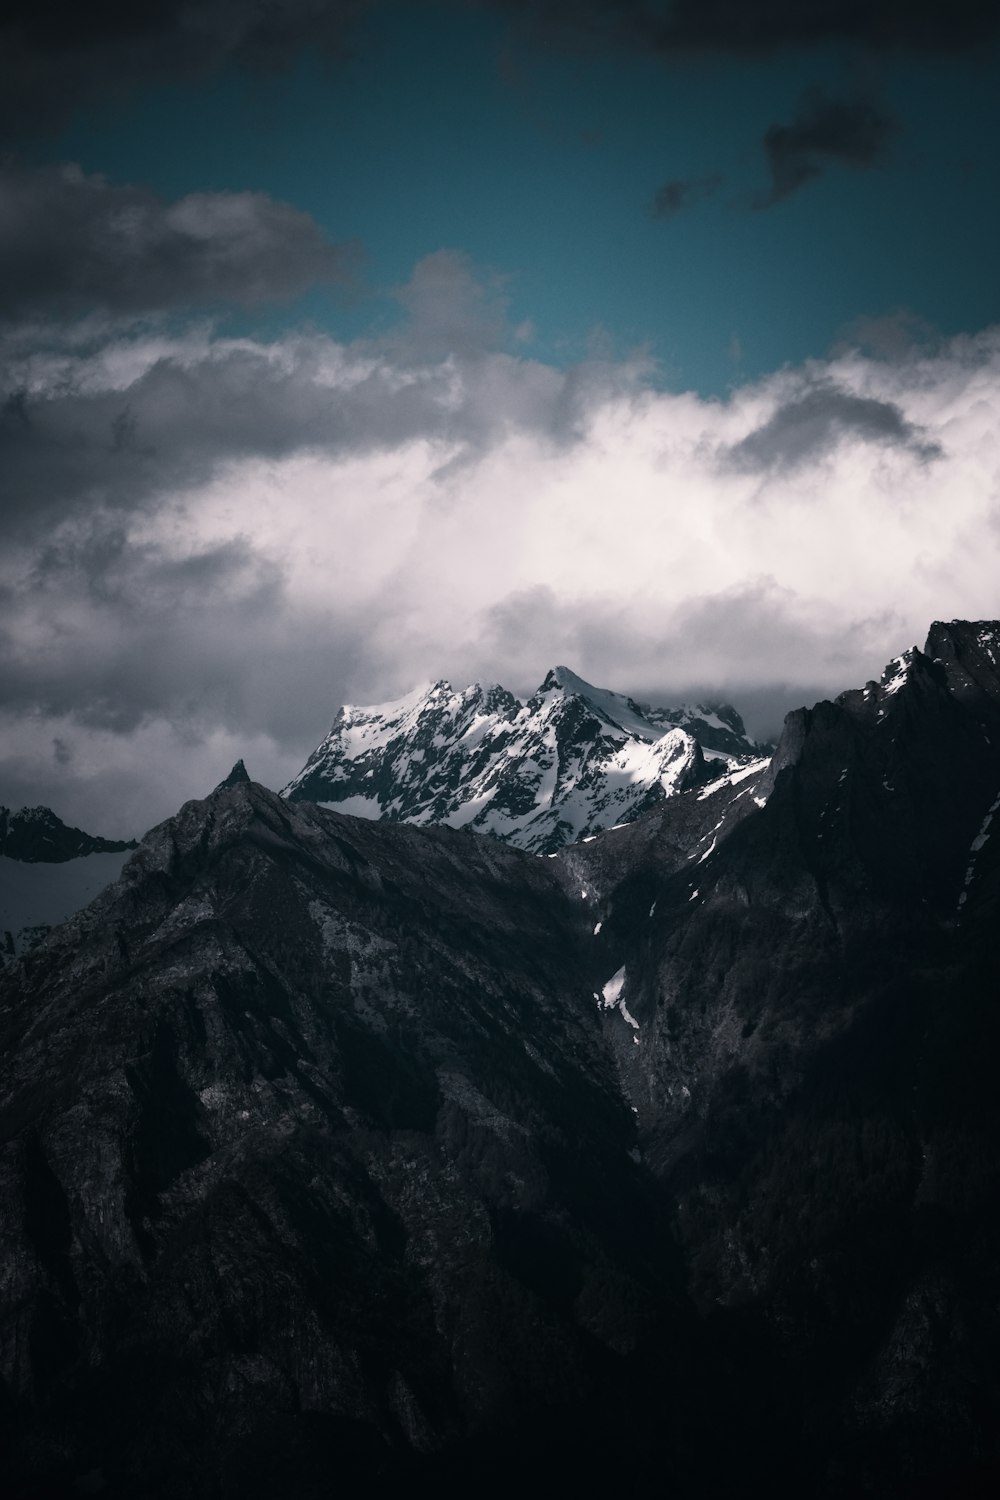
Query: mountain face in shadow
[342,1155]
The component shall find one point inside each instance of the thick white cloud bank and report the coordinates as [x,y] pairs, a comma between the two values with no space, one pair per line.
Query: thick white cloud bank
[211,543]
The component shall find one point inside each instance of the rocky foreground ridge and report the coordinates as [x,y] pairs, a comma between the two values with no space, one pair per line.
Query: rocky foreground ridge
[340,1155]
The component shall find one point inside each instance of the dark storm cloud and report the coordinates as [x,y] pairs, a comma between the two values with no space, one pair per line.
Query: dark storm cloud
[110,434]
[75,448]
[141,661]
[72,242]
[108,639]
[812,424]
[180,628]
[187,415]
[760,25]
[680,193]
[825,131]
[141,608]
[58,54]
[216,638]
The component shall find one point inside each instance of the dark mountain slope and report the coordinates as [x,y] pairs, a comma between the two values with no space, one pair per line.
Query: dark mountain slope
[818,1017]
[342,1154]
[313,1150]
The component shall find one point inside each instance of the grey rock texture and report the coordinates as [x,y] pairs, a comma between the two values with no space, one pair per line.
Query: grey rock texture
[312,1143]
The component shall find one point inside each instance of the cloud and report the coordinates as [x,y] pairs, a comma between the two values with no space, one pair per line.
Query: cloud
[114,628]
[680,193]
[849,132]
[760,25]
[853,132]
[117,417]
[119,785]
[809,426]
[757,641]
[72,243]
[56,55]
[210,542]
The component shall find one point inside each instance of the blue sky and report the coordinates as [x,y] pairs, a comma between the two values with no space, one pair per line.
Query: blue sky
[450,128]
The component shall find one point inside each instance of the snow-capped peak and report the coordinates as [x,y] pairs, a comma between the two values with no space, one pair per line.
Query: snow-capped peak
[621,710]
[571,761]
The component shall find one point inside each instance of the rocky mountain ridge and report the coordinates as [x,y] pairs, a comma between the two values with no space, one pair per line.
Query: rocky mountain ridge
[570,762]
[335,1147]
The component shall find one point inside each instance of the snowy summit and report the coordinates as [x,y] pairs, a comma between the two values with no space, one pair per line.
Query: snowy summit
[570,762]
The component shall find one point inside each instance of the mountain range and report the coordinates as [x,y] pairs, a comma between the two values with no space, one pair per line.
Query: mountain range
[567,764]
[341,1155]
[570,762]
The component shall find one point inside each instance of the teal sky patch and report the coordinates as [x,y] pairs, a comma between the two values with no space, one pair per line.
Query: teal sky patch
[444,130]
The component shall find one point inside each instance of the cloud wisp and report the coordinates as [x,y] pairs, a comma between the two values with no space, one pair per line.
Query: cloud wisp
[682,193]
[853,132]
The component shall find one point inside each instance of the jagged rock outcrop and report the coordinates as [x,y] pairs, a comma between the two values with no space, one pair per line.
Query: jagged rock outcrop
[238,776]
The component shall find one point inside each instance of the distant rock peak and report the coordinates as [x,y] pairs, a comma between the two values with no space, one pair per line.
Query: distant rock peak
[37,836]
